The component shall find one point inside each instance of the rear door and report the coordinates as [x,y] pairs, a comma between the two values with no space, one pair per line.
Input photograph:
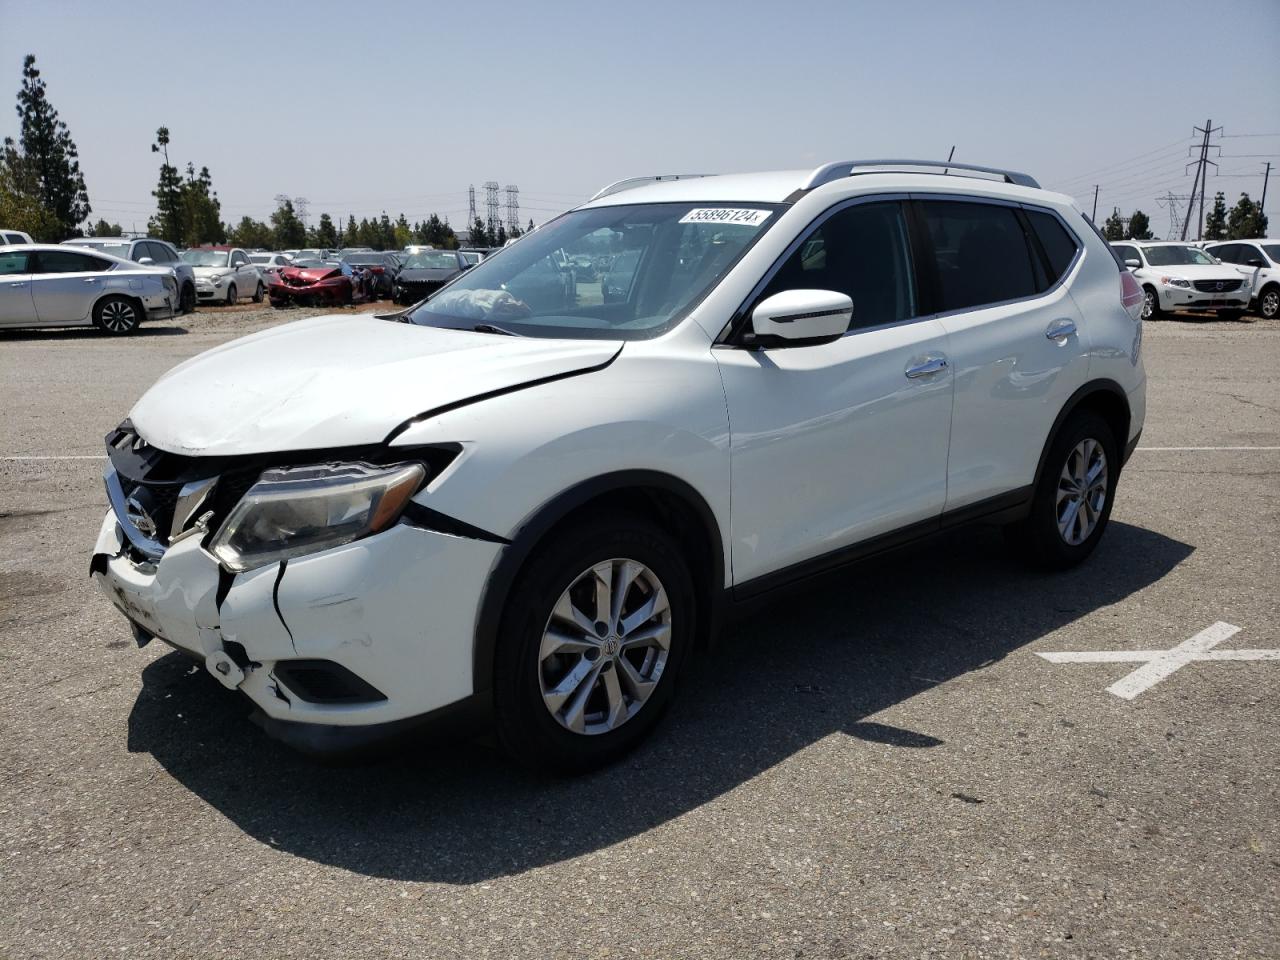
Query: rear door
[65,284]
[1017,344]
[16,306]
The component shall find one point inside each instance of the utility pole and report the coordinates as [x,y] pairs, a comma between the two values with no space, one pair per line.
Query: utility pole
[1094,218]
[1262,204]
[1202,175]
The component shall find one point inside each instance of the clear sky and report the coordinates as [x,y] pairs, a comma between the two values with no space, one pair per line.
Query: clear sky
[362,107]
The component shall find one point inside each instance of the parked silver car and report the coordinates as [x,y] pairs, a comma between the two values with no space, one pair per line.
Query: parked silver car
[148,251]
[43,285]
[225,274]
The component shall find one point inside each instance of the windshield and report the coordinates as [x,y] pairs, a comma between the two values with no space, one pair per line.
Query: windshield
[116,249]
[648,264]
[1272,250]
[262,258]
[431,260]
[207,258]
[305,263]
[364,260]
[1175,256]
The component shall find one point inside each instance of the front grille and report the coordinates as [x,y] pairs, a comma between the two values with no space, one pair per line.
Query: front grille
[158,500]
[1217,286]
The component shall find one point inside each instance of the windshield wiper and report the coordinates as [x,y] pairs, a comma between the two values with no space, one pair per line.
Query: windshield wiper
[491,328]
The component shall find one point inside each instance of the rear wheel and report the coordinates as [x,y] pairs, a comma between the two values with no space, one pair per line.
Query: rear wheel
[232,295]
[595,633]
[259,293]
[1150,303]
[1071,505]
[1269,302]
[116,316]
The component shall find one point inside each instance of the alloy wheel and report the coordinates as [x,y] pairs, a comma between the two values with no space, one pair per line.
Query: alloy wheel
[1148,304]
[1270,305]
[605,646]
[1082,491]
[119,316]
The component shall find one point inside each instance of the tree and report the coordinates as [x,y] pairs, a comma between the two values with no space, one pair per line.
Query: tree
[1114,227]
[403,235]
[287,229]
[167,223]
[201,213]
[501,238]
[1246,220]
[350,236]
[1215,225]
[531,227]
[45,161]
[479,234]
[326,236]
[104,229]
[251,233]
[1139,226]
[20,205]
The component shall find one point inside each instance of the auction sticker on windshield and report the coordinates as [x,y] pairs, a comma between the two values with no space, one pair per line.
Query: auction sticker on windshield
[746,217]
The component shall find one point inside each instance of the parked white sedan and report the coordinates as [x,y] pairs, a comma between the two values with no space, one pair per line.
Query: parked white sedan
[225,274]
[42,285]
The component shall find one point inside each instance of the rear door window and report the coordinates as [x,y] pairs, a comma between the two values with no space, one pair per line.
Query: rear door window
[11,263]
[981,253]
[68,261]
[1059,246]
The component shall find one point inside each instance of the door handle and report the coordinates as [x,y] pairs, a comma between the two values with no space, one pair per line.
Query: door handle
[1060,329]
[926,367]
[17,286]
[89,280]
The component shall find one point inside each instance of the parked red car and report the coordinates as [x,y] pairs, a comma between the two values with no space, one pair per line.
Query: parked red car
[310,282]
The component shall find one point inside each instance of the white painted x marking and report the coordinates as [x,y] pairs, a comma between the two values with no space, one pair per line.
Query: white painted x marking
[1159,664]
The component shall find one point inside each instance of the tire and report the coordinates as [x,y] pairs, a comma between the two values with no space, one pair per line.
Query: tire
[1053,535]
[1269,302]
[545,717]
[259,293]
[233,296]
[187,299]
[1230,315]
[279,304]
[1151,303]
[117,316]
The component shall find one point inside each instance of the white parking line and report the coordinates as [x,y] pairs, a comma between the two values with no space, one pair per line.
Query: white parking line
[1159,664]
[1168,449]
[94,456]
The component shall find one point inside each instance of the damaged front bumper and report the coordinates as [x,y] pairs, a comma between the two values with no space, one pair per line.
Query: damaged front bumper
[361,639]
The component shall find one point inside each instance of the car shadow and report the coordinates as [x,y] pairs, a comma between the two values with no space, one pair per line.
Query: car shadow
[89,333]
[814,663]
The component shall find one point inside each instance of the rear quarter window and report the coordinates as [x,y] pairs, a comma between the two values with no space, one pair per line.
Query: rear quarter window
[1059,246]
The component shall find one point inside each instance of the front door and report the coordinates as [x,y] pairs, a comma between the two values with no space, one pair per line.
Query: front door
[837,443]
[16,306]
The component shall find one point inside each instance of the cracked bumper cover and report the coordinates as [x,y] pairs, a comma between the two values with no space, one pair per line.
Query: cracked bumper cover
[398,610]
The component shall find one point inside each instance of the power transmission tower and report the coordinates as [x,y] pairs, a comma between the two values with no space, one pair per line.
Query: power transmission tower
[282,199]
[471,206]
[300,205]
[513,209]
[1202,171]
[491,206]
[1172,203]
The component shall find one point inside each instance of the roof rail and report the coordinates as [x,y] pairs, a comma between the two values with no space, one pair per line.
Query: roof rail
[633,182]
[848,168]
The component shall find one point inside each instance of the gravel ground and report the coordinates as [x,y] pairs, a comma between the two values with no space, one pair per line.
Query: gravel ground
[881,767]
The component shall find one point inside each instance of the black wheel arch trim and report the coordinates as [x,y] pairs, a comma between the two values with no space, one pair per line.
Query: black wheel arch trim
[1090,389]
[533,528]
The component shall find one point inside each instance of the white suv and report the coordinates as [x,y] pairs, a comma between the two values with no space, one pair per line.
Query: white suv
[1259,262]
[1180,276]
[530,512]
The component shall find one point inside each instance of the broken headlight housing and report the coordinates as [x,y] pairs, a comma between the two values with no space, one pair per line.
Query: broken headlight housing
[294,511]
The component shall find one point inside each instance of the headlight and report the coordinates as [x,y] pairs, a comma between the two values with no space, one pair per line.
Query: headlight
[1175,282]
[298,510]
[1245,284]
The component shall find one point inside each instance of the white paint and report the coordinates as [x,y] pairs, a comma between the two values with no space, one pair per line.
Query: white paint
[1159,664]
[95,456]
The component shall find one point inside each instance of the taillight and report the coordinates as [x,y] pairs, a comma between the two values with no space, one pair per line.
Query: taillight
[1131,295]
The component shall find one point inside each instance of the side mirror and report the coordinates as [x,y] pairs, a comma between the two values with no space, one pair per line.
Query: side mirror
[146,261]
[1133,264]
[1255,262]
[796,318]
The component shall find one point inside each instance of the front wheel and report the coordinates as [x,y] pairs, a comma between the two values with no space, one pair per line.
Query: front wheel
[1071,505]
[596,630]
[1269,302]
[232,296]
[116,316]
[259,293]
[1150,303]
[187,299]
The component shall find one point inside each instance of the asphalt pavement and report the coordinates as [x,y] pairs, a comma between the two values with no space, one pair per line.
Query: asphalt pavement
[882,766]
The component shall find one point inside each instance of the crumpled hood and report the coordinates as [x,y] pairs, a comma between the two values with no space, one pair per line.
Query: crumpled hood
[310,274]
[339,381]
